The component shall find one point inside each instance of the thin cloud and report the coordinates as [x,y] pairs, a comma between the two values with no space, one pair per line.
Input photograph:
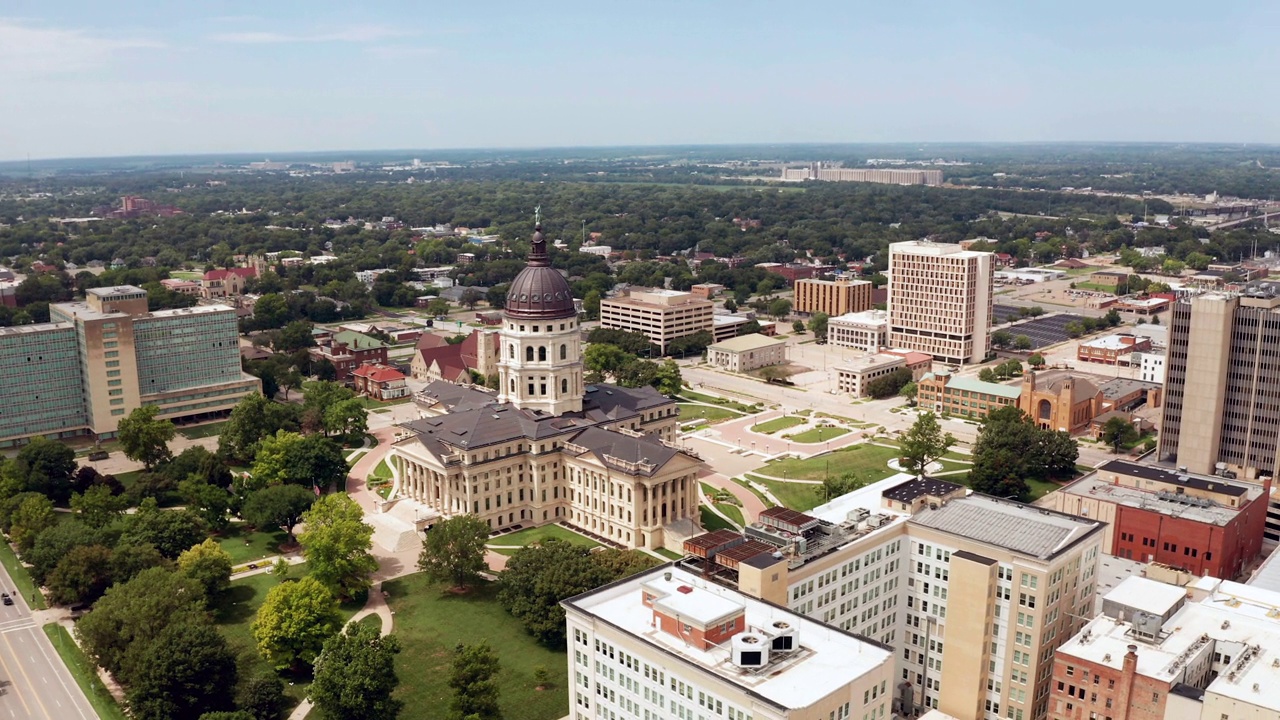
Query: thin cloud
[354,34]
[27,51]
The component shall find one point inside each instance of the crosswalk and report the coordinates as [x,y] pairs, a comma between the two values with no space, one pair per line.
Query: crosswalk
[15,625]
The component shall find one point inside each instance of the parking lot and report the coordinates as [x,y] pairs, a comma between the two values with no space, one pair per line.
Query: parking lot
[1002,314]
[1045,330]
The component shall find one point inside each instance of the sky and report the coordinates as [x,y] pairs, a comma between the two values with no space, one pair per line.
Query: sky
[84,78]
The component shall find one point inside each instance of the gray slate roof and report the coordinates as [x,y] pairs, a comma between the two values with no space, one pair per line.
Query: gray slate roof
[601,443]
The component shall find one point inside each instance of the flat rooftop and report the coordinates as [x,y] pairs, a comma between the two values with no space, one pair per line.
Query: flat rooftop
[1020,528]
[113,291]
[1111,342]
[193,310]
[828,657]
[1208,483]
[1093,486]
[36,328]
[871,362]
[866,317]
[754,341]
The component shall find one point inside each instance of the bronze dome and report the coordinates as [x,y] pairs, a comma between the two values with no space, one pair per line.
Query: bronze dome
[539,292]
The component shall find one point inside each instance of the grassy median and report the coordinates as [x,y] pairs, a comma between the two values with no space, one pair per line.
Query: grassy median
[86,675]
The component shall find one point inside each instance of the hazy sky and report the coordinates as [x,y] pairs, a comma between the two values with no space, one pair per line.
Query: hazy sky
[82,78]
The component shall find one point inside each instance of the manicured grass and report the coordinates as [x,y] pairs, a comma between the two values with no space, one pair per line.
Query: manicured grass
[372,404]
[202,431]
[355,457]
[733,405]
[373,621]
[1094,287]
[772,426]
[712,521]
[83,670]
[733,512]
[21,578]
[689,411]
[841,418]
[869,462]
[669,554]
[430,621]
[818,434]
[767,502]
[127,479]
[382,470]
[1039,488]
[529,536]
[244,546]
[797,496]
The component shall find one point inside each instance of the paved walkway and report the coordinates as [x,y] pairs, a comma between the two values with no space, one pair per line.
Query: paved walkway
[752,505]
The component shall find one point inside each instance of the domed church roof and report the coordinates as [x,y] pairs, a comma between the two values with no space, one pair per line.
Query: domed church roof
[539,292]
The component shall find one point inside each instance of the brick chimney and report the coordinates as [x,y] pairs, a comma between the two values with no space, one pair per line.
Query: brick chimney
[1127,675]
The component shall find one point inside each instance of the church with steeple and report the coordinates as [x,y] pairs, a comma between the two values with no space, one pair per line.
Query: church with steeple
[548,448]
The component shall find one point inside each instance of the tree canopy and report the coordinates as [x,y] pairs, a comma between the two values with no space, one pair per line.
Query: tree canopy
[454,550]
[355,675]
[336,543]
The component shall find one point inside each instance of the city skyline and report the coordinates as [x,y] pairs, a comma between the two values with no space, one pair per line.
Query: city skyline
[144,78]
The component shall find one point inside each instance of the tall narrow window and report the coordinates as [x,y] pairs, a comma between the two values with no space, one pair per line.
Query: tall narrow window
[512,348]
[564,386]
[542,354]
[528,354]
[564,352]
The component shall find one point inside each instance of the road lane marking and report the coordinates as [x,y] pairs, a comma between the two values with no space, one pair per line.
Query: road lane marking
[13,685]
[27,677]
[62,671]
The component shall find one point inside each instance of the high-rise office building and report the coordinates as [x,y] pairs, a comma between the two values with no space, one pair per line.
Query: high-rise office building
[833,297]
[108,355]
[1221,407]
[668,643]
[940,300]
[973,592]
[661,315]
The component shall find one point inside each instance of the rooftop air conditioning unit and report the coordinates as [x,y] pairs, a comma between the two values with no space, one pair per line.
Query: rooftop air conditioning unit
[750,650]
[784,638]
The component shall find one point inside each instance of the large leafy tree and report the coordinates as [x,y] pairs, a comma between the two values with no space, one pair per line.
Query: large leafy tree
[923,443]
[454,550]
[473,678]
[336,543]
[668,380]
[1117,431]
[208,563]
[294,622]
[82,575]
[97,506]
[349,418]
[46,467]
[53,544]
[184,672]
[312,460]
[210,502]
[32,517]
[262,697]
[253,419]
[144,437]
[538,577]
[279,506]
[133,614]
[355,676]
[1011,450]
[170,531]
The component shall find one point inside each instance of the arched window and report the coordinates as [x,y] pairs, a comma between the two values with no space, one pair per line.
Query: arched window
[512,347]
[564,386]
[564,352]
[528,354]
[513,385]
[542,353]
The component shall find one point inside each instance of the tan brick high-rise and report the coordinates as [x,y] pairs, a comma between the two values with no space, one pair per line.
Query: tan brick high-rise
[833,297]
[940,300]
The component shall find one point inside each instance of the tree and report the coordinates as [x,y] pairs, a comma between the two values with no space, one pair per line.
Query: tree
[295,336]
[53,545]
[923,443]
[453,550]
[1036,360]
[1112,317]
[668,380]
[184,672]
[605,358]
[170,531]
[355,675]
[336,544]
[82,575]
[253,419]
[1022,342]
[1117,431]
[730,305]
[46,467]
[591,304]
[473,678]
[33,516]
[311,460]
[780,308]
[818,324]
[271,311]
[133,614]
[987,375]
[538,577]
[833,487]
[130,559]
[909,392]
[1011,449]
[279,506]
[294,622]
[210,502]
[797,327]
[348,418]
[262,697]
[438,307]
[470,298]
[889,385]
[229,715]
[145,438]
[98,506]
[209,564]
[1001,338]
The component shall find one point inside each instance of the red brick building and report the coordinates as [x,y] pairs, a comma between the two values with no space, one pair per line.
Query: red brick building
[349,350]
[1112,349]
[380,382]
[1203,524]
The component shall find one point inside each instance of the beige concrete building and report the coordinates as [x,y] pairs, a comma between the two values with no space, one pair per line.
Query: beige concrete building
[1220,411]
[974,593]
[747,353]
[853,377]
[940,300]
[867,330]
[833,297]
[661,315]
[669,644]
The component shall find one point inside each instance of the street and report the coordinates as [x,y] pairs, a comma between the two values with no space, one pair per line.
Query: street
[35,682]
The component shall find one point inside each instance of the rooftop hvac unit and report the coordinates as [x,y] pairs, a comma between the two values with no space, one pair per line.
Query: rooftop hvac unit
[785,637]
[857,515]
[750,650]
[1147,624]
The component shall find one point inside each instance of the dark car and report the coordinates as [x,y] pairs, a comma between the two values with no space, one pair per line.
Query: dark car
[7,600]
[99,455]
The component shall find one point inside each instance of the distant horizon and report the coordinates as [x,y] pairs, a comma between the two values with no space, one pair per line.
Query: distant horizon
[921,146]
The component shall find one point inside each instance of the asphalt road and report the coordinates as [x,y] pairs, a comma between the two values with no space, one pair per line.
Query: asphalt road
[34,683]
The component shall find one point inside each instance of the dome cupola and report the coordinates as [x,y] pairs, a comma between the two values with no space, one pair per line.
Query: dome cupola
[539,292]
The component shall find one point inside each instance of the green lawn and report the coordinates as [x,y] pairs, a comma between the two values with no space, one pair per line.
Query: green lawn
[869,462]
[767,502]
[1094,287]
[372,404]
[689,411]
[769,427]
[532,535]
[712,521]
[818,434]
[669,554]
[733,512]
[186,274]
[699,397]
[244,546]
[381,471]
[21,578]
[85,673]
[841,418]
[127,479]
[355,457]
[202,431]
[431,621]
[797,496]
